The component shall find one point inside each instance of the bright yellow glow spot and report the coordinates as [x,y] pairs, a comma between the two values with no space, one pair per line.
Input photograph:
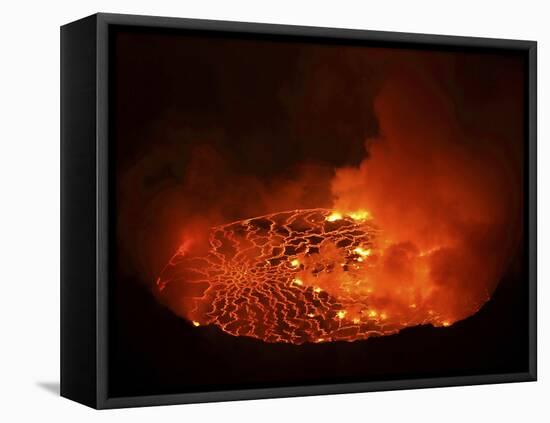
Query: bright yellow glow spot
[383,316]
[373,313]
[359,215]
[341,314]
[297,282]
[320,339]
[310,315]
[295,263]
[359,259]
[362,251]
[195,323]
[428,252]
[356,320]
[334,216]
[317,289]
[446,323]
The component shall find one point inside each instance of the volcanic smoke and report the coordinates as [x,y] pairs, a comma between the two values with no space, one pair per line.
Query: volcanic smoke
[420,232]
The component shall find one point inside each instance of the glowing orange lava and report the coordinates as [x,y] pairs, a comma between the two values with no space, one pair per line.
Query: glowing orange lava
[299,276]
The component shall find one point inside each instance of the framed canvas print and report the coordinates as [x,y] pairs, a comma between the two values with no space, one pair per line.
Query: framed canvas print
[255,211]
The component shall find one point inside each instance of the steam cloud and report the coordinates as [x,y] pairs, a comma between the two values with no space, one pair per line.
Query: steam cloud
[447,203]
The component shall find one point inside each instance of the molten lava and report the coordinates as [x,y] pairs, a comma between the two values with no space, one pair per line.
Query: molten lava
[299,276]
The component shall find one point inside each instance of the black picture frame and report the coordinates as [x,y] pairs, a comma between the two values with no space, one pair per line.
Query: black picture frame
[85,200]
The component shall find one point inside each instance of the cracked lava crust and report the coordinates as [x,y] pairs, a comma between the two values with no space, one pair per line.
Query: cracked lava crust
[296,276]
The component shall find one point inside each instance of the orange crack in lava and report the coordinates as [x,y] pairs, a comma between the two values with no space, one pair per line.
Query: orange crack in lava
[295,277]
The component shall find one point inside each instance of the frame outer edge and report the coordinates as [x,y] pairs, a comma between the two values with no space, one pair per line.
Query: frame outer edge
[313,31]
[532,204]
[78,313]
[102,195]
[103,22]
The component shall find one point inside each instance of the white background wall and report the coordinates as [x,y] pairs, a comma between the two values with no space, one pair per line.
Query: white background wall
[29,223]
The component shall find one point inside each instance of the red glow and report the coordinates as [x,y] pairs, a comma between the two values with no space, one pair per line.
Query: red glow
[420,232]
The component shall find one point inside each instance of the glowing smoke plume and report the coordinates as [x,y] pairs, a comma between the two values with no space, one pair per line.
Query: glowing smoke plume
[419,233]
